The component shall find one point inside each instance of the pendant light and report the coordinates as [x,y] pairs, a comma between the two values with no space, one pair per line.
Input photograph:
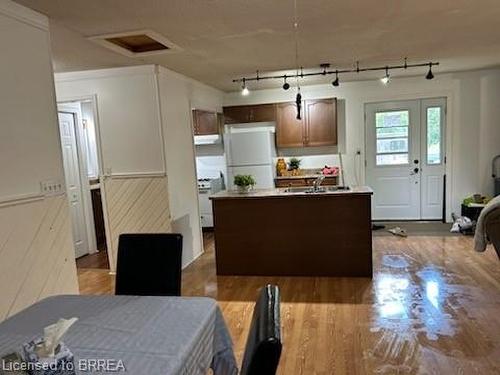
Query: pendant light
[298,98]
[429,75]
[298,102]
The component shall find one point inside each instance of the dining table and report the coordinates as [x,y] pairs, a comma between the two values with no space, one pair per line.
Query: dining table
[147,335]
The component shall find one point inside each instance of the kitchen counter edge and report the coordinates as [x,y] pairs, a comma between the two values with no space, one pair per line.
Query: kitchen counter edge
[281,193]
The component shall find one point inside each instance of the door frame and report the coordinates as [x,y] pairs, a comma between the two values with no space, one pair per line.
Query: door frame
[88,229]
[426,169]
[95,112]
[411,211]
[450,97]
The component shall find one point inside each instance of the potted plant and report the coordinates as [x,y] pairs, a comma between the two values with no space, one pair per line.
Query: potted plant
[244,182]
[294,165]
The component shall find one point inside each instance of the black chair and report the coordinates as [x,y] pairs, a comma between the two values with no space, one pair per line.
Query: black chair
[263,347]
[149,264]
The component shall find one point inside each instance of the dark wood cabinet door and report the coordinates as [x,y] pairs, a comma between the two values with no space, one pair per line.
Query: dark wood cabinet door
[290,132]
[236,114]
[250,113]
[262,113]
[321,122]
[205,122]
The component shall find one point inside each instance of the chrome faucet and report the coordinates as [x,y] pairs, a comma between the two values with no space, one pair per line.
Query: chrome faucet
[317,183]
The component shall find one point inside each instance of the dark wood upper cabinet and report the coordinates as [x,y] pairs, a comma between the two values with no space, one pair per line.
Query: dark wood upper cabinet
[290,132]
[250,113]
[321,122]
[205,122]
[318,126]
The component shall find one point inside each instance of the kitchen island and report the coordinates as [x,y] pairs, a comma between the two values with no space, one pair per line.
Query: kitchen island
[291,232]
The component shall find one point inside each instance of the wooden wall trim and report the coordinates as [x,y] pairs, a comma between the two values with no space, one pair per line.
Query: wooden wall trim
[119,176]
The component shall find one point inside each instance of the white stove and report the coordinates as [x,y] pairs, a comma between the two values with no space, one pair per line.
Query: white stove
[207,187]
[212,184]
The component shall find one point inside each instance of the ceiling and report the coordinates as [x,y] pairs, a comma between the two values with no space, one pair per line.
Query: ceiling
[226,39]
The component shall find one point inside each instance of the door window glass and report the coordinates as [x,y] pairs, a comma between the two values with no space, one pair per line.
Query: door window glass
[392,137]
[434,135]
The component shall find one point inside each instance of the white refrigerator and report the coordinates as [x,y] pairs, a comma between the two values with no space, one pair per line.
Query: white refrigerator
[250,149]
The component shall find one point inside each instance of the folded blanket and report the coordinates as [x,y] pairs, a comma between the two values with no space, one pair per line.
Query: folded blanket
[480,237]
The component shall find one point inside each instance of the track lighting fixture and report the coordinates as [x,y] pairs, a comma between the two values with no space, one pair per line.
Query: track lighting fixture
[244,88]
[286,85]
[385,79]
[336,83]
[429,75]
[301,74]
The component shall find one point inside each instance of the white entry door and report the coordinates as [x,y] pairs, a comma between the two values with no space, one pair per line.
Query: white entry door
[73,183]
[405,159]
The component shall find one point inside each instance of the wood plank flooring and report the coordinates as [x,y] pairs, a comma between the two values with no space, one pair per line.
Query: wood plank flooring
[96,260]
[433,307]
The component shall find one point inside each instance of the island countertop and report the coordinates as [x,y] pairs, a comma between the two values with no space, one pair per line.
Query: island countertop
[284,193]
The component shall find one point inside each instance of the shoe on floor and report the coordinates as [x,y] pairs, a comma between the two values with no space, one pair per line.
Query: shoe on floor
[397,231]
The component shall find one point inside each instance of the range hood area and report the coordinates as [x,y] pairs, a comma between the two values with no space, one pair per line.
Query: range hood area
[210,139]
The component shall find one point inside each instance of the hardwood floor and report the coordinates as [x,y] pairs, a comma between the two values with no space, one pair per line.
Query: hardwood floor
[96,260]
[432,307]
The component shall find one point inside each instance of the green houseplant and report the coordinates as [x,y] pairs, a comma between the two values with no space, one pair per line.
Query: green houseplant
[294,163]
[244,182]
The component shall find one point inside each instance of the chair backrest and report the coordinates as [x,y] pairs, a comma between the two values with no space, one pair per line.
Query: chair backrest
[493,230]
[149,264]
[263,348]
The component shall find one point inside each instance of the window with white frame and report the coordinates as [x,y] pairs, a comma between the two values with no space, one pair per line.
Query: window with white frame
[392,132]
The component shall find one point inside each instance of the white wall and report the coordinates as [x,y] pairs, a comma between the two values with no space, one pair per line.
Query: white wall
[473,129]
[128,116]
[129,130]
[145,127]
[179,95]
[29,143]
[37,255]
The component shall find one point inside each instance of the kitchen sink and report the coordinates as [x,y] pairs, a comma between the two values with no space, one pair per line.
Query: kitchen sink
[310,190]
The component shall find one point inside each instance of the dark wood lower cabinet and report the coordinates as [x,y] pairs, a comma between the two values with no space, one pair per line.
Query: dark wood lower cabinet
[321,235]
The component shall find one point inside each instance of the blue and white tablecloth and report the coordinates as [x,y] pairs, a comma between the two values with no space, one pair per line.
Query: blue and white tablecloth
[150,335]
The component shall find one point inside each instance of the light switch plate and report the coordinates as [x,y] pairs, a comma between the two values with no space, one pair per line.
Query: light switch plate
[51,187]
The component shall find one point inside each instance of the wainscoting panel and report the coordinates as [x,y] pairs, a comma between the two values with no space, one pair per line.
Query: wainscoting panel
[37,258]
[136,205]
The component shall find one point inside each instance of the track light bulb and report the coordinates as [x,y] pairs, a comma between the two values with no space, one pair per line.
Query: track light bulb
[385,79]
[286,85]
[429,75]
[244,89]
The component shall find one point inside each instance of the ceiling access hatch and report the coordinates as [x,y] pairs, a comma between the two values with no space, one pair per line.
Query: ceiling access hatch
[136,43]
